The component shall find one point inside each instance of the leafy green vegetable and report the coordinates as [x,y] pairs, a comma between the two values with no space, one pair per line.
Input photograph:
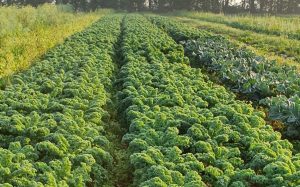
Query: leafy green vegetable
[186,131]
[51,133]
[242,71]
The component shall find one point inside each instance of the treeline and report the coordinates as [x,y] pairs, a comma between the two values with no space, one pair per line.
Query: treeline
[216,6]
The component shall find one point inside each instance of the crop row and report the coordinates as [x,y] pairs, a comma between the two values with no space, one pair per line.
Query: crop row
[260,80]
[186,131]
[279,48]
[51,133]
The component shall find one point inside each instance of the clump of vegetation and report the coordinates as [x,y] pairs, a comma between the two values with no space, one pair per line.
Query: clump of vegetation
[279,48]
[186,131]
[52,130]
[28,32]
[15,20]
[250,76]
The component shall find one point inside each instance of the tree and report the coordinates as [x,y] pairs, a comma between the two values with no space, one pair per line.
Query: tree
[262,6]
[226,6]
[252,6]
[162,4]
[179,4]
[79,5]
[293,6]
[216,6]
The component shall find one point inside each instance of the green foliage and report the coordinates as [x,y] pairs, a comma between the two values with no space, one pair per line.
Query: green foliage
[183,130]
[242,71]
[286,110]
[284,50]
[51,133]
[186,131]
[272,25]
[27,33]
[17,20]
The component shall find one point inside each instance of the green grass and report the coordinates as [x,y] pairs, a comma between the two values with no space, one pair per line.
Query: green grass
[288,26]
[27,33]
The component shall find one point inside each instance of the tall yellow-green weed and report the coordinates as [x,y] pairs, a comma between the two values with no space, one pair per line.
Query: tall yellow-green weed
[26,33]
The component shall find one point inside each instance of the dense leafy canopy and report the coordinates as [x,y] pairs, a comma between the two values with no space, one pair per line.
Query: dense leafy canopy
[242,71]
[182,129]
[186,131]
[51,133]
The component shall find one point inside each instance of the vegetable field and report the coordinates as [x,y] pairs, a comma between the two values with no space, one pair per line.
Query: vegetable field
[144,100]
[27,33]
